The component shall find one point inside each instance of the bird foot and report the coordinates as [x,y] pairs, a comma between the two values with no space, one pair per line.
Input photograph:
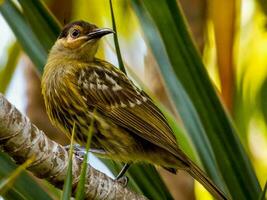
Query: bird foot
[122,180]
[78,150]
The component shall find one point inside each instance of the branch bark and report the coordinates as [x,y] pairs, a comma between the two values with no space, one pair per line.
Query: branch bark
[21,140]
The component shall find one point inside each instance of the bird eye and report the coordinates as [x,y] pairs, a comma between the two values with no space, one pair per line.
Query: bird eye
[75,33]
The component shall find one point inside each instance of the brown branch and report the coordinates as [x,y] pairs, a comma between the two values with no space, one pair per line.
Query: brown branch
[21,139]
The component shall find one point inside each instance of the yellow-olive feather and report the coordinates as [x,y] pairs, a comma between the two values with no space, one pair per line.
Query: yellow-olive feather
[128,126]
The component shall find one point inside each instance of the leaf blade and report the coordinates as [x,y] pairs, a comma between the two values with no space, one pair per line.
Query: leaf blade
[9,68]
[116,40]
[263,194]
[81,185]
[23,182]
[24,34]
[198,96]
[9,180]
[67,188]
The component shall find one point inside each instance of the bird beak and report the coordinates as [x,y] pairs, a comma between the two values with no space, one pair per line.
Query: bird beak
[99,32]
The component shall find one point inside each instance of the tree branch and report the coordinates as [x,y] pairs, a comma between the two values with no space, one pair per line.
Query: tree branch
[21,139]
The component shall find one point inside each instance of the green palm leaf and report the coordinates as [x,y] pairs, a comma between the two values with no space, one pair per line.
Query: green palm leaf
[210,128]
[25,186]
[7,71]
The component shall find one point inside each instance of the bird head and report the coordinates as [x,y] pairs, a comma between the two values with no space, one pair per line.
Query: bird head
[79,40]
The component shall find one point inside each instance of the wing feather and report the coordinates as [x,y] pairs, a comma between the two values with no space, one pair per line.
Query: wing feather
[123,103]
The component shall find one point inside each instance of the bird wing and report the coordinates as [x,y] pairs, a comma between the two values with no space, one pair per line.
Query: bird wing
[117,98]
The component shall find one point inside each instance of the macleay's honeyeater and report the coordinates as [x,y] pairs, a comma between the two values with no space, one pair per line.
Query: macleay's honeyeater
[128,126]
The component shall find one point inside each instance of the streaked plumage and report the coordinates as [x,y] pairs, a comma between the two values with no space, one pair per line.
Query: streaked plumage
[128,126]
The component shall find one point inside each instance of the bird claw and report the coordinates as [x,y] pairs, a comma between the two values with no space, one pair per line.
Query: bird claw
[78,150]
[122,180]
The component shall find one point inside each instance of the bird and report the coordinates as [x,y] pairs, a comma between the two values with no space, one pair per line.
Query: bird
[128,127]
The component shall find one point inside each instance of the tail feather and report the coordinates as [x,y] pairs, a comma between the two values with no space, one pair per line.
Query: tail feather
[202,178]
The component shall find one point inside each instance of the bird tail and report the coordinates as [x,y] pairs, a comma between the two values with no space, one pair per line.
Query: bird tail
[202,178]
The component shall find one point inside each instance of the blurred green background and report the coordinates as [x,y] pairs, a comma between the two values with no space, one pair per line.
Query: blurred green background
[204,63]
